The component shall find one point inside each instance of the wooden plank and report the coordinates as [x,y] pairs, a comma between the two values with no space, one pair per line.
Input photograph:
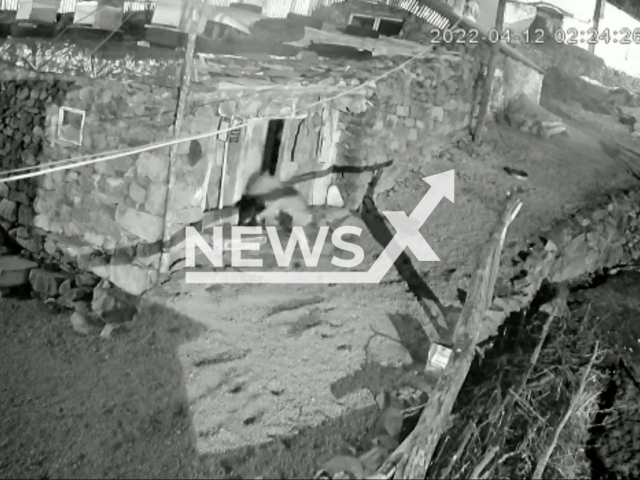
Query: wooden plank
[215,155]
[304,140]
[286,168]
[233,159]
[327,156]
[413,457]
[251,154]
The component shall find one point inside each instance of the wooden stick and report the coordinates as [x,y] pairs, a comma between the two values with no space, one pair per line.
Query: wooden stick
[415,453]
[544,458]
[491,71]
[597,14]
[484,462]
[468,432]
[507,405]
[187,68]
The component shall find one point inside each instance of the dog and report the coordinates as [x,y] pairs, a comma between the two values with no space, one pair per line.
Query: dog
[266,198]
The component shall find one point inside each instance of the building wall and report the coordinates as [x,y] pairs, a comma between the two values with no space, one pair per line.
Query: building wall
[115,206]
[409,114]
[23,113]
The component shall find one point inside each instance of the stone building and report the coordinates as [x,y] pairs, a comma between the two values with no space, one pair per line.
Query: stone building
[318,106]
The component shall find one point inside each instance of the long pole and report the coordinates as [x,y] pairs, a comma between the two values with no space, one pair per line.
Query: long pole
[491,72]
[597,15]
[187,68]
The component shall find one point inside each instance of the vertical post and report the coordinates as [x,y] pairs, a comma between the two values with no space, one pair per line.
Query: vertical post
[597,15]
[491,72]
[187,68]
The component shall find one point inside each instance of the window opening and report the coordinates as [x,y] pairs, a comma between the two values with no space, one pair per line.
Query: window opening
[71,125]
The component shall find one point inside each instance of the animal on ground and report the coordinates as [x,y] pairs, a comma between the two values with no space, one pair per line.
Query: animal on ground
[266,198]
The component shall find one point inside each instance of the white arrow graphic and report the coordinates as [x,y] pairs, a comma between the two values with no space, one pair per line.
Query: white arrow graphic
[408,228]
[407,235]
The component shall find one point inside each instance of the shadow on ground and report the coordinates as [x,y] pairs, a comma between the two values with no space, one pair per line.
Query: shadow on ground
[84,407]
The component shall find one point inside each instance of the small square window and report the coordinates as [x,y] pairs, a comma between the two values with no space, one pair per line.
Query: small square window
[388,27]
[71,125]
[362,21]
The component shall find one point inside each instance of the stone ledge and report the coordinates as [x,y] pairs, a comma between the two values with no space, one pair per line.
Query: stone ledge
[590,240]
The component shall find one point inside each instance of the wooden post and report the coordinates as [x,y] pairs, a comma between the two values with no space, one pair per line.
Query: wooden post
[491,72]
[597,15]
[413,457]
[187,68]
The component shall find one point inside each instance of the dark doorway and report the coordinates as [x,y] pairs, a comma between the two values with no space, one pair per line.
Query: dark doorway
[272,146]
[389,27]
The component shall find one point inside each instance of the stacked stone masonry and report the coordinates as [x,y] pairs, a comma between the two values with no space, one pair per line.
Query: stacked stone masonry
[23,141]
[116,207]
[108,217]
[590,241]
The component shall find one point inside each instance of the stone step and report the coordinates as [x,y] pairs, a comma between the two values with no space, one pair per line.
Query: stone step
[14,271]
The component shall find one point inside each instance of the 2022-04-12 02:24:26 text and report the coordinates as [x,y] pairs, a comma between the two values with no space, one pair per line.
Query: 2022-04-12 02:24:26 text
[570,36]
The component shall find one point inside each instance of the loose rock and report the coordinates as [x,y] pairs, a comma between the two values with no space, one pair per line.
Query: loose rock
[82,326]
[45,282]
[14,271]
[112,304]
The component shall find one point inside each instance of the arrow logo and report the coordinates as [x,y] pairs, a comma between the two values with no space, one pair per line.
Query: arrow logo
[408,228]
[407,236]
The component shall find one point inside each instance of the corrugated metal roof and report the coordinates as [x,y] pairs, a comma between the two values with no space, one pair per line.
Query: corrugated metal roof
[270,8]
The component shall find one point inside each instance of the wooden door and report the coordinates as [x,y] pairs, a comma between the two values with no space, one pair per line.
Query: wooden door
[299,150]
[308,145]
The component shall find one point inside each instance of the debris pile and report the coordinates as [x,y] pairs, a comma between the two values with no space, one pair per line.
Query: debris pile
[525,115]
[97,305]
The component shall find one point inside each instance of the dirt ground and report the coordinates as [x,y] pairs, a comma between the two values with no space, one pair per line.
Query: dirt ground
[216,381]
[614,450]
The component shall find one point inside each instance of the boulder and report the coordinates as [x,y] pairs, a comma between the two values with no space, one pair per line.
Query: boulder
[630,116]
[83,325]
[113,305]
[14,271]
[46,282]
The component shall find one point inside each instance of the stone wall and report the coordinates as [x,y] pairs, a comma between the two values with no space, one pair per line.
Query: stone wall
[23,115]
[570,250]
[411,113]
[513,78]
[113,211]
[116,207]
